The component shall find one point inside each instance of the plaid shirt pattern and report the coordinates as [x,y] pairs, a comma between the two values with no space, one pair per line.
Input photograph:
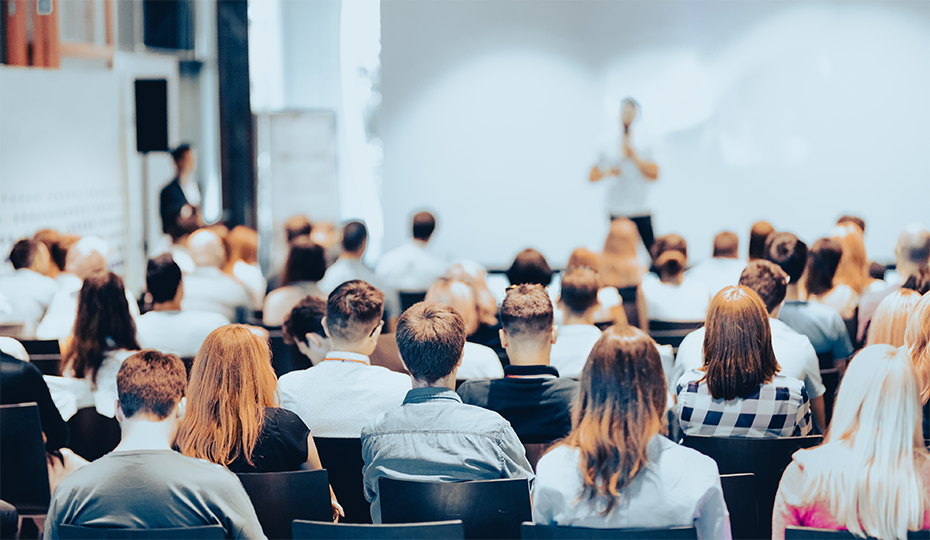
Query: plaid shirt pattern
[777,409]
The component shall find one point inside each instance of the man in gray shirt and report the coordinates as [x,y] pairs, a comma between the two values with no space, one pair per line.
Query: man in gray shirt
[143,483]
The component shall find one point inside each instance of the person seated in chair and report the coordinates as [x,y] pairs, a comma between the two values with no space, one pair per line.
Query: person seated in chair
[143,483]
[411,267]
[433,436]
[578,299]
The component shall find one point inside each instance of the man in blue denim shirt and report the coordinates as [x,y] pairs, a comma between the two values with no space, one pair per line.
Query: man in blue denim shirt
[433,436]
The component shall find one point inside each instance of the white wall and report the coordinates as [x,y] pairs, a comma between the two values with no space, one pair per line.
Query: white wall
[794,112]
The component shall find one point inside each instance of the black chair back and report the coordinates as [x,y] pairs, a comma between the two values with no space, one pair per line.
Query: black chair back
[92,434]
[23,470]
[826,360]
[765,458]
[809,533]
[78,532]
[831,380]
[342,459]
[672,332]
[739,492]
[281,497]
[284,358]
[628,295]
[439,530]
[45,354]
[487,508]
[533,531]
[408,299]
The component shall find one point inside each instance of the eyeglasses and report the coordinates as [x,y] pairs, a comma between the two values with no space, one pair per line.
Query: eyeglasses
[531,285]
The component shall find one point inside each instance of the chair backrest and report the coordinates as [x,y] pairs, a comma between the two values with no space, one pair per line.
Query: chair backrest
[809,533]
[92,434]
[672,332]
[11,329]
[387,355]
[281,497]
[739,492]
[342,459]
[23,470]
[284,358]
[831,380]
[408,299]
[534,531]
[628,295]
[826,360]
[45,354]
[439,530]
[487,508]
[41,346]
[79,532]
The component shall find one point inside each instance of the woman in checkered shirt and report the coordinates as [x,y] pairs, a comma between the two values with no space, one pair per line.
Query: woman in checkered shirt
[738,393]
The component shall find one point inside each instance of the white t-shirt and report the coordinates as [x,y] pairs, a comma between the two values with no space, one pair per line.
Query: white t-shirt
[629,194]
[280,302]
[717,273]
[59,319]
[346,269]
[70,394]
[479,362]
[571,349]
[686,302]
[251,276]
[409,267]
[209,289]
[177,332]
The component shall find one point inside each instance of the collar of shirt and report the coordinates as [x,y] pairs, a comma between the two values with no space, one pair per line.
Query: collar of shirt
[431,393]
[346,356]
[534,372]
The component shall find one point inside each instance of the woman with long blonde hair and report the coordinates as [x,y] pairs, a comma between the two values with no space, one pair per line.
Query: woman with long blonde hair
[616,468]
[917,345]
[871,474]
[889,322]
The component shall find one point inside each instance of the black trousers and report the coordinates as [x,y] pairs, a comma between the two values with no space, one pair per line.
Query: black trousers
[644,226]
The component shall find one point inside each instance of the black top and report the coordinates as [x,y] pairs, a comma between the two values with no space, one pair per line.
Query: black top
[535,401]
[172,200]
[281,446]
[22,382]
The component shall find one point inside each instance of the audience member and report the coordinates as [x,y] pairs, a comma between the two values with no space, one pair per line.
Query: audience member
[738,392]
[143,483]
[819,282]
[167,328]
[758,235]
[474,274]
[616,469]
[304,327]
[853,269]
[795,354]
[28,290]
[621,269]
[411,267]
[919,281]
[479,361]
[723,269]
[822,324]
[208,288]
[49,237]
[529,266]
[22,382]
[917,345]
[433,436]
[890,320]
[305,267]
[577,333]
[242,263]
[670,296]
[296,226]
[609,308]
[531,396]
[855,220]
[871,474]
[338,396]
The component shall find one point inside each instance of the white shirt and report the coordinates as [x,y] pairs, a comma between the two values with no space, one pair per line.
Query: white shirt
[177,332]
[209,289]
[629,194]
[254,281]
[59,319]
[717,273]
[671,302]
[479,362]
[346,269]
[70,394]
[29,293]
[409,267]
[570,351]
[679,487]
[793,352]
[280,302]
[337,398]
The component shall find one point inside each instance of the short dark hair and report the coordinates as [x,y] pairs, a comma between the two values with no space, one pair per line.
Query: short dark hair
[162,278]
[856,220]
[150,382]
[297,226]
[24,253]
[306,261]
[822,262]
[758,234]
[768,280]
[305,318]
[353,310]
[726,244]
[787,251]
[354,235]
[424,224]
[530,266]
[430,338]
[670,253]
[579,289]
[526,309]
[919,281]
[59,250]
[179,153]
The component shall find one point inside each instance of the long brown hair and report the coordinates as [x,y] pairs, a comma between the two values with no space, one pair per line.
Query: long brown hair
[738,354]
[103,323]
[853,269]
[822,262]
[619,265]
[619,409]
[231,385]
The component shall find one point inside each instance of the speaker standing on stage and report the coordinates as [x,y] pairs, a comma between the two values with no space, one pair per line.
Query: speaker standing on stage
[180,199]
[634,174]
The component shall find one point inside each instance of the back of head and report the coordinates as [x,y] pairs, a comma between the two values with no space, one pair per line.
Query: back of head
[768,281]
[919,281]
[583,258]
[297,226]
[150,383]
[61,248]
[354,237]
[243,244]
[726,245]
[461,296]
[868,467]
[670,253]
[24,253]
[305,318]
[789,252]
[822,262]
[738,354]
[306,261]
[353,310]
[206,249]
[529,266]
[179,154]
[853,269]
[431,339]
[914,246]
[619,409]
[476,276]
[758,234]
[889,322]
[162,278]
[424,224]
[579,290]
[49,238]
[620,266]
[231,384]
[917,343]
[87,257]
[855,220]
[527,314]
